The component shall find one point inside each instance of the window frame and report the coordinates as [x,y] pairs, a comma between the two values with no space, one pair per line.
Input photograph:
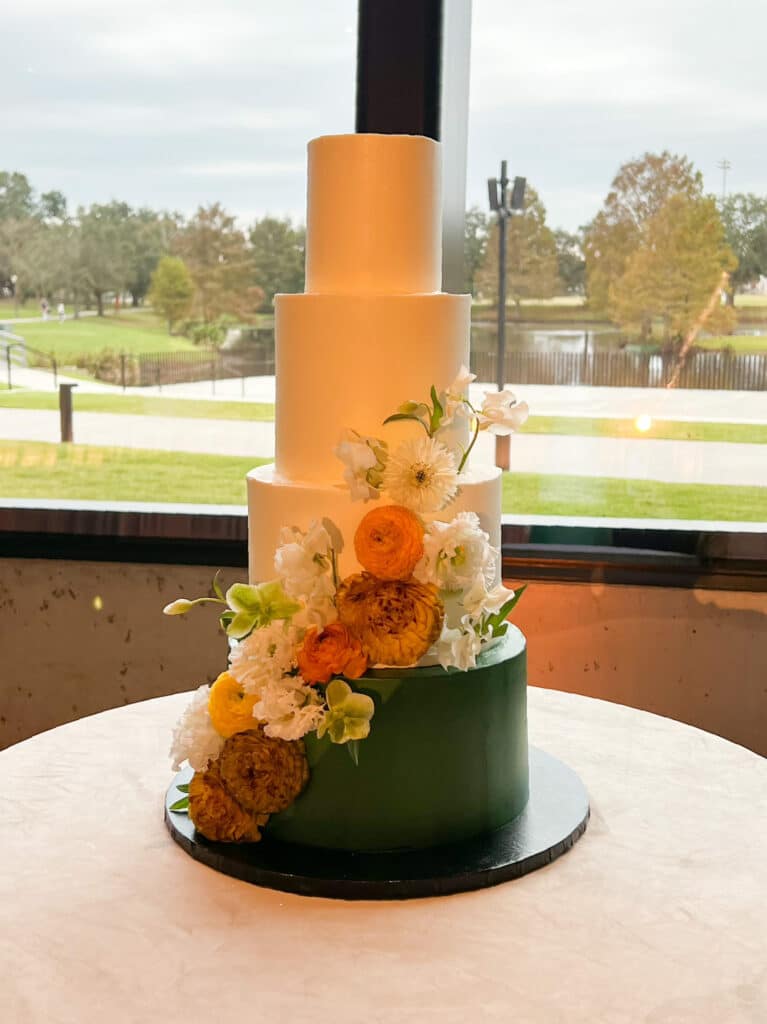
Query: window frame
[411,57]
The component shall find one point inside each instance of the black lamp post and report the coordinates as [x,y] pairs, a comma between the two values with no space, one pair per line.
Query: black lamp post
[503,206]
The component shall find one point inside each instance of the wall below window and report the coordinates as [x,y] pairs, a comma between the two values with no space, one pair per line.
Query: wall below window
[79,637]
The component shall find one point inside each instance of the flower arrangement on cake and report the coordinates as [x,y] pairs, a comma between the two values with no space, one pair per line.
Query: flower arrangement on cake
[428,592]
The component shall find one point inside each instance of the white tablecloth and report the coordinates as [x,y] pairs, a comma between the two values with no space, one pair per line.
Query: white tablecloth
[658,914]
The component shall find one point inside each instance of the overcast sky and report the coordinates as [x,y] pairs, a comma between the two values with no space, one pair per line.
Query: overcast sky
[172,104]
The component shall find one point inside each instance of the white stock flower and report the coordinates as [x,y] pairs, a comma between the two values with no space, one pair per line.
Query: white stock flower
[456,394]
[364,459]
[194,738]
[289,708]
[455,552]
[501,413]
[303,561]
[479,601]
[267,654]
[459,647]
[421,474]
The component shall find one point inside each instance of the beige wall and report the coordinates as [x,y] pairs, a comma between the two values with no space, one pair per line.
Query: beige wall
[699,656]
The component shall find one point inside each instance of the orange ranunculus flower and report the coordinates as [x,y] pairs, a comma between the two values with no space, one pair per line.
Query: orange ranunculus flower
[389,542]
[230,708]
[329,652]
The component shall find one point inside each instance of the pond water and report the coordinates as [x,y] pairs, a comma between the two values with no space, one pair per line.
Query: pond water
[560,338]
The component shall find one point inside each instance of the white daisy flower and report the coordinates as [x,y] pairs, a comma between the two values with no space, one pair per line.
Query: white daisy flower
[289,708]
[194,738]
[421,474]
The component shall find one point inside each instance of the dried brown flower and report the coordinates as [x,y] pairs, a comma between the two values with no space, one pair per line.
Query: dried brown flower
[216,814]
[396,621]
[263,774]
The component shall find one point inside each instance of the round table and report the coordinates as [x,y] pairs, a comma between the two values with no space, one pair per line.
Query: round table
[657,914]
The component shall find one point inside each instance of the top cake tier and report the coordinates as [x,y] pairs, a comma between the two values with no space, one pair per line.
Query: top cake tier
[373,221]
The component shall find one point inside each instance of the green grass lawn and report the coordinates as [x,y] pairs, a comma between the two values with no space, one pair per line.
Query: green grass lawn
[666,430]
[535,494]
[563,426]
[37,470]
[131,332]
[737,342]
[141,405]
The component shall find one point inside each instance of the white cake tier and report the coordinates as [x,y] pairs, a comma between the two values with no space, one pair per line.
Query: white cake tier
[274,502]
[350,361]
[373,219]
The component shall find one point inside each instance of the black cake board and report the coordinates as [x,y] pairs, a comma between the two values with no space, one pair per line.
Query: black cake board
[552,822]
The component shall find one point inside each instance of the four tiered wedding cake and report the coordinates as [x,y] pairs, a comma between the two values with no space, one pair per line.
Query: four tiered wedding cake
[376,696]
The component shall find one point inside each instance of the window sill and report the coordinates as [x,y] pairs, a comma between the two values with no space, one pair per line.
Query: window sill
[638,552]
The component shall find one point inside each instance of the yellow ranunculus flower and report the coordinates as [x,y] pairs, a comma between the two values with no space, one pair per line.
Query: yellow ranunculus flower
[230,708]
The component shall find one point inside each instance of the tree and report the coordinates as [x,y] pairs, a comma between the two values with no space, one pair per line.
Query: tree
[531,258]
[105,249]
[217,257]
[149,236]
[277,249]
[475,234]
[744,216]
[16,196]
[571,261]
[172,289]
[673,273]
[638,191]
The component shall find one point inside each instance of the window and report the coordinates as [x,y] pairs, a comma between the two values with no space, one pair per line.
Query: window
[152,192]
[636,277]
[183,145]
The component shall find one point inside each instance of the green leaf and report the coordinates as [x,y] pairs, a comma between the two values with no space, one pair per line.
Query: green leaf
[181,806]
[414,407]
[183,788]
[406,416]
[437,412]
[505,610]
[353,746]
[217,586]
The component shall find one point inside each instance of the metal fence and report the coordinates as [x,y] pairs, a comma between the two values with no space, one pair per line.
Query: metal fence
[158,368]
[609,368]
[707,370]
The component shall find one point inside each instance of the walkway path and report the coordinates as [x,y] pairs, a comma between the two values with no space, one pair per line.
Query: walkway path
[544,400]
[670,461]
[549,400]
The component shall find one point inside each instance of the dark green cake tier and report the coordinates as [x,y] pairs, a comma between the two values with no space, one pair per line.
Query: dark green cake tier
[446,759]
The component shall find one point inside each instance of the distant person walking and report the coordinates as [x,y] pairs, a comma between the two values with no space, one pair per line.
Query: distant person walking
[61,310]
[44,307]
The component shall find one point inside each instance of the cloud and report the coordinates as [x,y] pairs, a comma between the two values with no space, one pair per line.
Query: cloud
[177,103]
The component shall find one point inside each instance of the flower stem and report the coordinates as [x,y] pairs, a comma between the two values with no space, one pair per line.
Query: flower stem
[334,566]
[467,453]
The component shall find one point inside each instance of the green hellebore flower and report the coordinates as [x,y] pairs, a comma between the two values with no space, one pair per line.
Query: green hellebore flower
[257,606]
[348,715]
